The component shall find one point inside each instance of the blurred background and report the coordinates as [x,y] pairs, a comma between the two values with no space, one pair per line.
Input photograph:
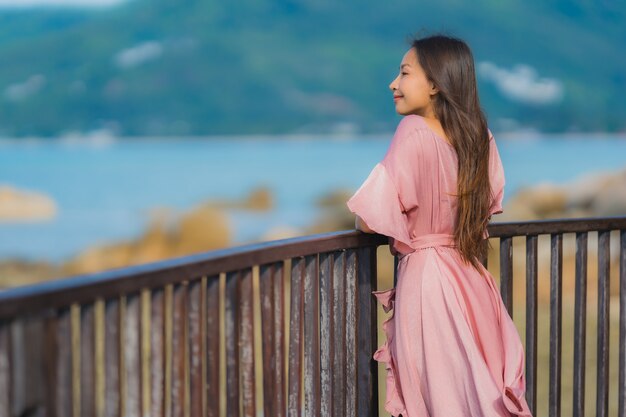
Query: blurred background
[137,130]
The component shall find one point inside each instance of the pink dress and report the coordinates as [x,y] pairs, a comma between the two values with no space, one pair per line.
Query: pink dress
[452,350]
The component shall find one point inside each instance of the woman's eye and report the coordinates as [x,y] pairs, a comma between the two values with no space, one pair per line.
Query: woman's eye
[404,73]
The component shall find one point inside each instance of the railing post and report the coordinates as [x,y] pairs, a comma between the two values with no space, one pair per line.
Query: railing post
[294,398]
[339,334]
[580,323]
[327,325]
[604,264]
[232,321]
[531,322]
[5,368]
[506,272]
[621,393]
[367,372]
[351,346]
[556,308]
[311,338]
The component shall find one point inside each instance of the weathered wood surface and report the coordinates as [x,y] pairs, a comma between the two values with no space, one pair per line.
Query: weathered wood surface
[197,336]
[85,289]
[273,340]
[296,333]
[246,344]
[621,391]
[604,264]
[531,321]
[311,338]
[580,325]
[556,315]
[231,327]
[506,273]
[213,336]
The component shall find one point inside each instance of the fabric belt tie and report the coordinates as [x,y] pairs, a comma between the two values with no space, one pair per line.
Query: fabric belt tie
[432,240]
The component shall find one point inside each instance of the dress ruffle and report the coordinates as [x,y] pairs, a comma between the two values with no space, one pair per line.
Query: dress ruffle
[394,403]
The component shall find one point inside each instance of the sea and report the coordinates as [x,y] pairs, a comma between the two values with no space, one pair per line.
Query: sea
[105,188]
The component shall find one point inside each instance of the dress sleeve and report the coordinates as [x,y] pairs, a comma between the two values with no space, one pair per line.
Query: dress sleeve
[496,177]
[379,199]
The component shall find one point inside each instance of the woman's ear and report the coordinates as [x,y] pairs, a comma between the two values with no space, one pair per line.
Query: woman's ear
[433,89]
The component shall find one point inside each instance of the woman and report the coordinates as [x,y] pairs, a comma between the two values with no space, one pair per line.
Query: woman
[452,350]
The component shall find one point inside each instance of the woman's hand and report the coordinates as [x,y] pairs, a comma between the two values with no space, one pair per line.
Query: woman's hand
[359,224]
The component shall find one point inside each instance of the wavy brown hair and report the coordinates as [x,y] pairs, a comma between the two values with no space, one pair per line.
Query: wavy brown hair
[449,65]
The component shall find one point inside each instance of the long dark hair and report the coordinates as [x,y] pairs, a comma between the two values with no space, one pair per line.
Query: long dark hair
[449,65]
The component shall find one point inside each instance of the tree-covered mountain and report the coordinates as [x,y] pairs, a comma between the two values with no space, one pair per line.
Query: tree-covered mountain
[180,67]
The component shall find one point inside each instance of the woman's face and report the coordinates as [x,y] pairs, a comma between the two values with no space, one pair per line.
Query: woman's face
[412,91]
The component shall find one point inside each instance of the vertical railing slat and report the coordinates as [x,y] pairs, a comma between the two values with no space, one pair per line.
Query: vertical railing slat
[580,325]
[272,328]
[87,361]
[531,321]
[5,369]
[339,333]
[311,338]
[19,358]
[246,344]
[266,292]
[50,362]
[506,272]
[278,281]
[26,353]
[556,309]
[604,264]
[622,326]
[351,337]
[157,352]
[294,399]
[367,368]
[59,364]
[231,324]
[180,351]
[112,357]
[197,336]
[213,346]
[132,355]
[326,333]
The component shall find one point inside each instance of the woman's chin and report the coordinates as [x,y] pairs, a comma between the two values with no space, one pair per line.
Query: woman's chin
[401,111]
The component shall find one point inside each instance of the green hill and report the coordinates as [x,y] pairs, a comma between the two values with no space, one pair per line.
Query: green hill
[179,67]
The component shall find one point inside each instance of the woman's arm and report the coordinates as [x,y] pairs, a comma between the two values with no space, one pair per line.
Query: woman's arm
[359,224]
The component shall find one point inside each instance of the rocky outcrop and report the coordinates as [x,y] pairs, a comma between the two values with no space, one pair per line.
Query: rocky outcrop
[333,213]
[597,195]
[201,229]
[25,206]
[259,199]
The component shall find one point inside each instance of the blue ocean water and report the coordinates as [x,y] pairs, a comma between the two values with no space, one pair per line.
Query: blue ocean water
[105,189]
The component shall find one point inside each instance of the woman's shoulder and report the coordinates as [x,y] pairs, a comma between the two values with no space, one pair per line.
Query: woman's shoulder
[410,128]
[411,123]
[407,143]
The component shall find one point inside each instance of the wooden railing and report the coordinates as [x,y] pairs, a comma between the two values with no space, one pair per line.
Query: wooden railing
[178,338]
[278,328]
[556,230]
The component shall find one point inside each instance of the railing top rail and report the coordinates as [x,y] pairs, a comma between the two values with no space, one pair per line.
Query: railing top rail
[130,280]
[540,227]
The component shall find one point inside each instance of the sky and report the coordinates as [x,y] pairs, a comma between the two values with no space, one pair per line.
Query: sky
[73,3]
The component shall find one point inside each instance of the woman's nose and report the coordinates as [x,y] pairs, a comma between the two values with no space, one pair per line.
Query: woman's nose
[392,86]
